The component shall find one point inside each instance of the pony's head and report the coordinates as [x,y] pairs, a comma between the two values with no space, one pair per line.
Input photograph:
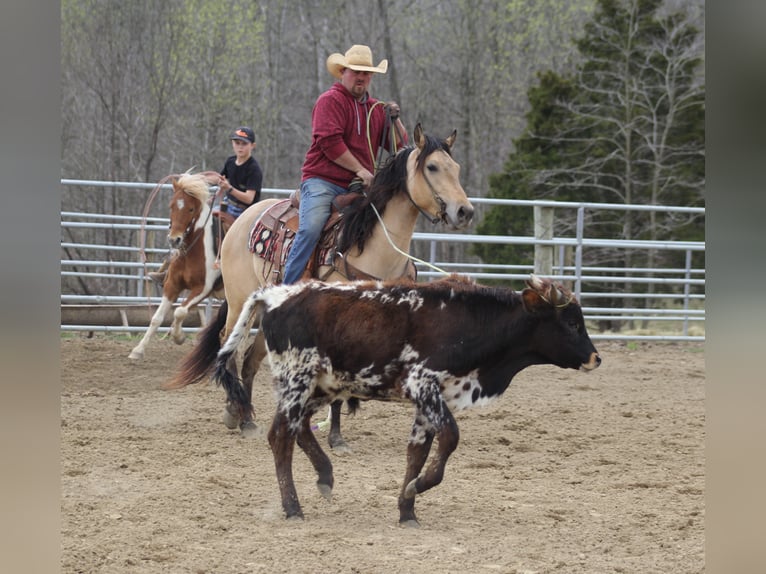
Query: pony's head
[188,207]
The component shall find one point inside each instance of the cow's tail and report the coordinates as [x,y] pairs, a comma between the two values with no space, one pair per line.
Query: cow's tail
[225,372]
[198,363]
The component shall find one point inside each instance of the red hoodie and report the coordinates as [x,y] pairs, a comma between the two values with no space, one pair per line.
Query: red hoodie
[339,123]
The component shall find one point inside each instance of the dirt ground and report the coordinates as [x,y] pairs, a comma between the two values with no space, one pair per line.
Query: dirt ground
[568,472]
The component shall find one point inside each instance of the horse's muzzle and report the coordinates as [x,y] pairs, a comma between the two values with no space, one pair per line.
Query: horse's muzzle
[460,217]
[175,241]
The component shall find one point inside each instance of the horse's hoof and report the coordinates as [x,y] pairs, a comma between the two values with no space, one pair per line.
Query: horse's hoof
[340,446]
[325,490]
[136,355]
[180,339]
[250,430]
[230,420]
[412,523]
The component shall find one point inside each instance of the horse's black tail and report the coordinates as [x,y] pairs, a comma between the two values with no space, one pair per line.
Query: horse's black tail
[199,362]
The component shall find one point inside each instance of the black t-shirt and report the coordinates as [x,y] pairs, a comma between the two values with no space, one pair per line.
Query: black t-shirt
[245,176]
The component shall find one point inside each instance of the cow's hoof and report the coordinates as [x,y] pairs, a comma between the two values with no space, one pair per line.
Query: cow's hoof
[325,490]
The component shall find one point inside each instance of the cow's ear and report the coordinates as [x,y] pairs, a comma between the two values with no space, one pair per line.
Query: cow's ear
[532,300]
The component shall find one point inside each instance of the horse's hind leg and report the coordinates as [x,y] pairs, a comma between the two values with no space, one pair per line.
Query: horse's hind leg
[337,443]
[154,324]
[251,362]
[320,461]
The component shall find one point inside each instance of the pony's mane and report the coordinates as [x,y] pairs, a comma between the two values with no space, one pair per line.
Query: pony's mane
[358,218]
[194,184]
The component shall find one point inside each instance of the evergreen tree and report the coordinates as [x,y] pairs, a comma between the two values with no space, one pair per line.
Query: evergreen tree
[626,127]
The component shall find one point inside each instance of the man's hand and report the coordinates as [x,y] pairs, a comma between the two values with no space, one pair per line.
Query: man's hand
[393,110]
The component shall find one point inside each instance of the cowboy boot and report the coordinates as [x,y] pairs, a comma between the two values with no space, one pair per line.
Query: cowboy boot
[159,275]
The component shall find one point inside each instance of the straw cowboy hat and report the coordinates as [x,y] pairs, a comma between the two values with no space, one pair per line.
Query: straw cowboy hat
[358,58]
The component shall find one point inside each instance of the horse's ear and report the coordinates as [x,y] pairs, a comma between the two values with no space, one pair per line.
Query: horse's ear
[450,141]
[418,136]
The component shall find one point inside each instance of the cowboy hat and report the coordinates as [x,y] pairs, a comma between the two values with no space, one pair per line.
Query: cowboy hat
[358,58]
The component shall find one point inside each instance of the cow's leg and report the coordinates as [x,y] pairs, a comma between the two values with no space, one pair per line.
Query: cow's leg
[319,459]
[434,417]
[419,446]
[251,362]
[337,443]
[154,324]
[282,443]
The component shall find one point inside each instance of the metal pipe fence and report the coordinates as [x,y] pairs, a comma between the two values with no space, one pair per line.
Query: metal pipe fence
[101,265]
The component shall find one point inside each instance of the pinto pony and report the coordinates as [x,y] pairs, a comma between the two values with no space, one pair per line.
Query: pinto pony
[443,346]
[375,240]
[192,268]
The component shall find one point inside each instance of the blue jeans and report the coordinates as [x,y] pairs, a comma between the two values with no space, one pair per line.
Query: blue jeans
[316,203]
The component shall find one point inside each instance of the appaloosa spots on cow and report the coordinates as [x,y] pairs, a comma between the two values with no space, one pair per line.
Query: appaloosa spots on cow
[443,346]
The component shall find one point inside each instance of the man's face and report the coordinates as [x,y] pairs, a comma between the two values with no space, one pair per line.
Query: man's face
[356,82]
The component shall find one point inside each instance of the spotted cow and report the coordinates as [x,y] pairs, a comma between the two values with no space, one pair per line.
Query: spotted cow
[444,346]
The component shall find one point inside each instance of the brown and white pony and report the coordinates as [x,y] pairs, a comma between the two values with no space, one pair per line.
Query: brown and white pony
[423,178]
[192,266]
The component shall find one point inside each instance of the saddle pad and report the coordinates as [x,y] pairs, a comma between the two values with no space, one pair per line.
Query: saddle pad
[272,235]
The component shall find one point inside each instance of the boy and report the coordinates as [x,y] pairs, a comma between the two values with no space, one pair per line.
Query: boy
[241,179]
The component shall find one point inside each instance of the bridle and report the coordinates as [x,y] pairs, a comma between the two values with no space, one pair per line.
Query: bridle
[442,214]
[184,248]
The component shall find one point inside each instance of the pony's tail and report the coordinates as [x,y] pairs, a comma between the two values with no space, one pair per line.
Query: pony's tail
[225,373]
[198,363]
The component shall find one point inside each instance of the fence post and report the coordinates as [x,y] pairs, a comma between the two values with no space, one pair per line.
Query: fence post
[578,250]
[543,230]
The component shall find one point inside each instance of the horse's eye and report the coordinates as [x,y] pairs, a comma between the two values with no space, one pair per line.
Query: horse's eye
[431,167]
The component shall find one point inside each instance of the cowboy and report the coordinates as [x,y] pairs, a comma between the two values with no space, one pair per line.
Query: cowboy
[348,128]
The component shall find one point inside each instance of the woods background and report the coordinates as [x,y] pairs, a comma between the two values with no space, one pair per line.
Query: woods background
[155,87]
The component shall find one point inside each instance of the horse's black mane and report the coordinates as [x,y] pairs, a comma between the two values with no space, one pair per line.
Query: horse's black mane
[359,218]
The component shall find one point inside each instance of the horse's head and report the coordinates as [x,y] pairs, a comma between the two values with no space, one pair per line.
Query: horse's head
[433,179]
[188,207]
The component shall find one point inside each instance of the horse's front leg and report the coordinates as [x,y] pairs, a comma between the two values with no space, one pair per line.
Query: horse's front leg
[282,443]
[154,323]
[179,315]
[251,362]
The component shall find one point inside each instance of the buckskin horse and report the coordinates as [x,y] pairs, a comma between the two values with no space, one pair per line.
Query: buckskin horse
[442,346]
[423,178]
[192,268]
